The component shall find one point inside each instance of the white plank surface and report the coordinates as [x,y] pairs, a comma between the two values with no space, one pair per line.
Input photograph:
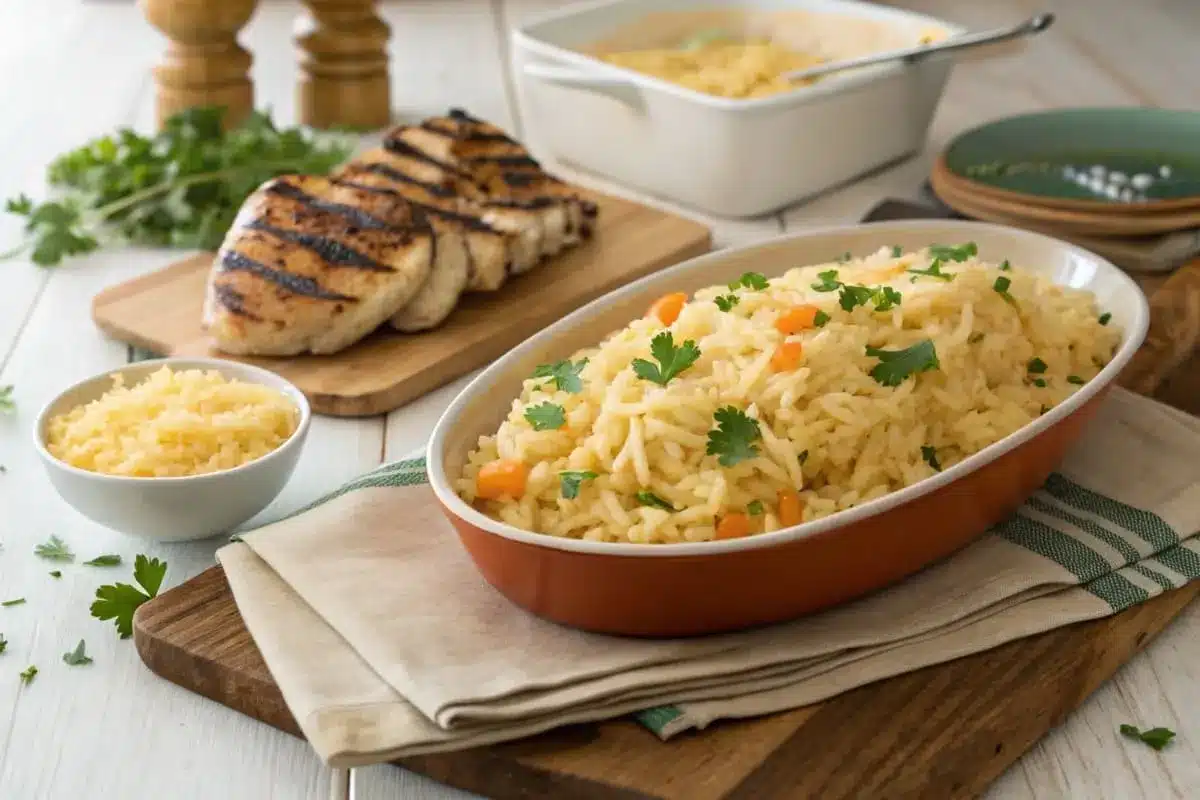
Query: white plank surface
[111,729]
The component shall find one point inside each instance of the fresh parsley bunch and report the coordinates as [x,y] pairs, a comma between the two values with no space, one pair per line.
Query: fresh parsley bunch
[179,188]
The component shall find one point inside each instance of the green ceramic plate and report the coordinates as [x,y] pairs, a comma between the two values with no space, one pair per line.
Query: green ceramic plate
[1107,156]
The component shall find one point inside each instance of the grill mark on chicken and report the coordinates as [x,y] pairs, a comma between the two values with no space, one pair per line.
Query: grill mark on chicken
[334,254]
[233,261]
[507,161]
[234,302]
[396,175]
[396,145]
[355,215]
[467,220]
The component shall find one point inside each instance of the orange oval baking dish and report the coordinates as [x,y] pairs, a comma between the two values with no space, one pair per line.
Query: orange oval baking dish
[710,587]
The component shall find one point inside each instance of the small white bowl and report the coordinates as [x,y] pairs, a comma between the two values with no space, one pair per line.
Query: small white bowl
[173,509]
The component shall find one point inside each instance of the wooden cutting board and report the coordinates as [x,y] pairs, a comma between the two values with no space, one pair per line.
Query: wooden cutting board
[160,312]
[943,732]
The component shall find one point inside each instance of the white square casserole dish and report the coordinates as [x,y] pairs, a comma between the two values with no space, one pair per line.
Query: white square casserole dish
[728,157]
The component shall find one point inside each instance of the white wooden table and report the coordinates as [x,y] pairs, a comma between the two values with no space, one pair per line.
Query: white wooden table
[72,69]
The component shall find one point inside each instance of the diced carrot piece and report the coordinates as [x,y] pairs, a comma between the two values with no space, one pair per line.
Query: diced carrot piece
[787,356]
[667,307]
[789,508]
[796,319]
[499,478]
[733,526]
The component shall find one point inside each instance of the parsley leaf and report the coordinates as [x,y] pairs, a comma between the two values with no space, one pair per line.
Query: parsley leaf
[732,439]
[1005,266]
[569,481]
[897,251]
[930,456]
[671,360]
[829,281]
[55,549]
[109,560]
[3,643]
[118,601]
[563,374]
[7,404]
[750,280]
[1104,318]
[1036,366]
[726,302]
[934,271]
[886,298]
[16,601]
[852,296]
[648,498]
[755,508]
[55,573]
[77,657]
[1158,738]
[1040,383]
[896,365]
[1001,287]
[1075,379]
[546,416]
[960,253]
[819,319]
[28,674]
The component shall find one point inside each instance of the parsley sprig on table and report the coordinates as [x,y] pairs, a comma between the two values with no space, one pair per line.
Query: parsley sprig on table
[77,657]
[180,188]
[671,360]
[896,365]
[1158,738]
[118,601]
[563,374]
[54,549]
[733,438]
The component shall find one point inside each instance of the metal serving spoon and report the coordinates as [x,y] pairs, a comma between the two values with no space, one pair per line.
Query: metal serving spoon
[1029,27]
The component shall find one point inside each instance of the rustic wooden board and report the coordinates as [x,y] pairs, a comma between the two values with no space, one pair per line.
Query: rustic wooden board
[160,312]
[942,732]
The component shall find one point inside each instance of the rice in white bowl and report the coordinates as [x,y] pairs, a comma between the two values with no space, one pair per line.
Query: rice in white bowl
[972,353]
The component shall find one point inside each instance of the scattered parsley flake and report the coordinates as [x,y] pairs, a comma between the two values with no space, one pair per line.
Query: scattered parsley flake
[886,298]
[77,657]
[897,251]
[1105,318]
[3,643]
[750,280]
[7,404]
[896,365]
[28,674]
[1075,379]
[975,338]
[648,498]
[1158,738]
[563,374]
[1040,383]
[726,302]
[732,440]
[107,560]
[546,416]
[55,549]
[934,271]
[570,480]
[671,360]
[960,253]
[55,573]
[819,319]
[1005,266]
[118,601]
[829,281]
[755,508]
[930,456]
[853,296]
[1036,366]
[16,601]
[1001,288]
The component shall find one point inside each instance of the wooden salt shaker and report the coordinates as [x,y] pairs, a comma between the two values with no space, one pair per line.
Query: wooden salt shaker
[343,65]
[204,65]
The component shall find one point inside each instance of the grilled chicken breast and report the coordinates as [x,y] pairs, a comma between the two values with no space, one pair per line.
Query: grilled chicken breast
[299,273]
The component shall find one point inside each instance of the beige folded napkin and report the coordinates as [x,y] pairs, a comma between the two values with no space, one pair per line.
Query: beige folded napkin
[386,642]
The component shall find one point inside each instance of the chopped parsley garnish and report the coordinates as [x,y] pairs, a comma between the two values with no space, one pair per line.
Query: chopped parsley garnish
[755,508]
[750,280]
[934,271]
[1036,366]
[886,298]
[1075,379]
[1040,383]
[1001,287]
[1043,410]
[56,573]
[975,338]
[897,251]
[733,438]
[108,560]
[569,481]
[3,643]
[853,296]
[726,302]
[563,374]
[671,360]
[829,281]
[896,365]
[16,601]
[1158,738]
[1104,319]
[28,674]
[118,601]
[648,498]
[930,456]
[55,549]
[819,319]
[7,404]
[77,657]
[844,257]
[546,416]
[960,253]
[1005,266]
[803,457]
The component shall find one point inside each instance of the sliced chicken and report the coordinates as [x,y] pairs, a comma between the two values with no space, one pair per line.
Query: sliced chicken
[298,272]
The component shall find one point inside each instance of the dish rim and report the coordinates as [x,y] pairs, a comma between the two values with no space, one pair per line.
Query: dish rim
[1132,339]
[526,37]
[262,377]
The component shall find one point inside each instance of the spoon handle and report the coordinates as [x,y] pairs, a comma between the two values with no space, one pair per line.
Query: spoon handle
[1029,27]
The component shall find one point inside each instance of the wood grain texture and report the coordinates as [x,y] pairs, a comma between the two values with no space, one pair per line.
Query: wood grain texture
[945,731]
[161,312]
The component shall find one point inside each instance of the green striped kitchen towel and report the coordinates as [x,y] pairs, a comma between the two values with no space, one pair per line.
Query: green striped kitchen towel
[386,643]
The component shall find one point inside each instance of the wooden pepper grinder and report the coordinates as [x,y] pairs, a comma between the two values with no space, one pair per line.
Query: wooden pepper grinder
[204,65]
[343,65]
